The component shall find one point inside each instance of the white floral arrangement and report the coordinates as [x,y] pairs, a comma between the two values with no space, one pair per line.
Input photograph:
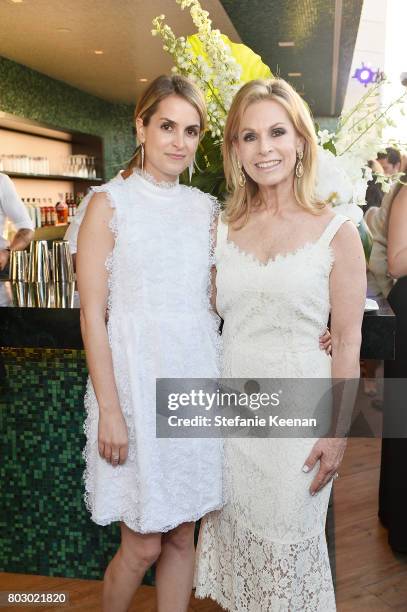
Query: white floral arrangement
[209,58]
[344,154]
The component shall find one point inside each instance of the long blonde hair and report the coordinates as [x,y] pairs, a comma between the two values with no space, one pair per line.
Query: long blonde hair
[243,199]
[159,89]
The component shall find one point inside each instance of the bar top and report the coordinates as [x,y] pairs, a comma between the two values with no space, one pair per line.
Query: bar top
[44,315]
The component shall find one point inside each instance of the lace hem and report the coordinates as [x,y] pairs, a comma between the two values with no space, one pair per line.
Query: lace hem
[244,572]
[135,524]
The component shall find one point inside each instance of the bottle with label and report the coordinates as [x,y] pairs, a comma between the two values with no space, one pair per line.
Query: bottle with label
[62,210]
[48,215]
[43,216]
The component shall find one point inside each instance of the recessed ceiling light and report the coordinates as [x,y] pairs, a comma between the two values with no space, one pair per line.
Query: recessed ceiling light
[16,1]
[288,43]
[295,74]
[64,30]
[143,80]
[98,52]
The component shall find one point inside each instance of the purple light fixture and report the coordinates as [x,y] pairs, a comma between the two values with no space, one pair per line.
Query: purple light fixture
[365,75]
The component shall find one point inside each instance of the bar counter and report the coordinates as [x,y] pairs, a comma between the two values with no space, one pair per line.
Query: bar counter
[52,328]
[42,381]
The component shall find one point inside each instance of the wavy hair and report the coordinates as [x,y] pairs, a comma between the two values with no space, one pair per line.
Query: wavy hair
[244,199]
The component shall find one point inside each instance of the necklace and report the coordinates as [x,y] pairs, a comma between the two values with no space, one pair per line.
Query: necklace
[150,179]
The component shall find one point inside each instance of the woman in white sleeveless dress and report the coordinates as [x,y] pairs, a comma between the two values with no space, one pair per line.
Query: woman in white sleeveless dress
[144,260]
[283,262]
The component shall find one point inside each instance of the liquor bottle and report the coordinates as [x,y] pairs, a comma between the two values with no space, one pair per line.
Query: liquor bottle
[48,215]
[62,210]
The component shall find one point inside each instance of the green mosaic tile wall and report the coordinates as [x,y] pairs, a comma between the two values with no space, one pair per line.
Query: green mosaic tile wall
[45,526]
[33,95]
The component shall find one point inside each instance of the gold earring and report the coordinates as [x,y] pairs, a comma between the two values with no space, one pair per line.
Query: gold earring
[299,167]
[242,178]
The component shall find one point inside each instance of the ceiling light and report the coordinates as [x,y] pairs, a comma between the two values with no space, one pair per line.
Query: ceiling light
[143,80]
[295,74]
[16,1]
[64,30]
[288,43]
[98,52]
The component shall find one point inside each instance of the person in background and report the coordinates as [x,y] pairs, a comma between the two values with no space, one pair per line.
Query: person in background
[374,192]
[388,274]
[12,208]
[390,160]
[373,198]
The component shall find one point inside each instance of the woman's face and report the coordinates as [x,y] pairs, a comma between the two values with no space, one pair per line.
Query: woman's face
[267,143]
[170,138]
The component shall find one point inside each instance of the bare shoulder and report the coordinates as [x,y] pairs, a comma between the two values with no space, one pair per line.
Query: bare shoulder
[347,240]
[99,206]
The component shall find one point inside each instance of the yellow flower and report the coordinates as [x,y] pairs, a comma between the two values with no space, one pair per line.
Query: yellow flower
[251,63]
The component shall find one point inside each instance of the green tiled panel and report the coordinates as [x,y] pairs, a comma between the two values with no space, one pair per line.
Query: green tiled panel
[261,24]
[33,95]
[45,526]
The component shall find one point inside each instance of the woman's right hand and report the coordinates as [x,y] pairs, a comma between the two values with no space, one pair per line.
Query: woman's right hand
[113,439]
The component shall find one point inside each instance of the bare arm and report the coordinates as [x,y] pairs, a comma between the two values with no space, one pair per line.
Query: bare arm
[21,239]
[95,242]
[397,236]
[347,294]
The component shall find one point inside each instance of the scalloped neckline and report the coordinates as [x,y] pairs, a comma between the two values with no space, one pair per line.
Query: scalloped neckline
[281,256]
[276,258]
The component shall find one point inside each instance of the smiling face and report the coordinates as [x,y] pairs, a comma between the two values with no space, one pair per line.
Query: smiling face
[170,139]
[267,143]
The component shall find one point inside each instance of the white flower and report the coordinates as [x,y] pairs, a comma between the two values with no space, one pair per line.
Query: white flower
[333,184]
[324,136]
[353,211]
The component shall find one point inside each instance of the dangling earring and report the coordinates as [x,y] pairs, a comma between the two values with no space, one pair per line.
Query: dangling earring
[299,167]
[242,178]
[191,169]
[142,155]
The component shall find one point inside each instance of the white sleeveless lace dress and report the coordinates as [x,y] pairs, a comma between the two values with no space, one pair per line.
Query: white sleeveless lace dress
[160,325]
[266,549]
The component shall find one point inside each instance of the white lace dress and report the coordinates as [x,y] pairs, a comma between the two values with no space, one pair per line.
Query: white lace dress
[266,549]
[160,325]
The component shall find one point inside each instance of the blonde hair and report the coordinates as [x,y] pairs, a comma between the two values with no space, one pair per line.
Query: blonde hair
[243,199]
[159,89]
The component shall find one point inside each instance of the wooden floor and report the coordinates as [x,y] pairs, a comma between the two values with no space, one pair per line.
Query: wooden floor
[370,577]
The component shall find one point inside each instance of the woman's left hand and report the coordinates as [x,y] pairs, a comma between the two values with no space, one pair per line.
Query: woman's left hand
[329,452]
[325,342]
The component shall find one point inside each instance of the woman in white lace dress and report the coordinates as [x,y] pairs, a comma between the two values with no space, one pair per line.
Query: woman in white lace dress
[283,263]
[144,262]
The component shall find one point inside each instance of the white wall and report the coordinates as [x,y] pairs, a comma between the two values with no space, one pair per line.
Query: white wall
[370,46]
[396,63]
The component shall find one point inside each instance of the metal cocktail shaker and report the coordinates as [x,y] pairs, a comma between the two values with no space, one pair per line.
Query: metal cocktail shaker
[18,266]
[38,266]
[62,263]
